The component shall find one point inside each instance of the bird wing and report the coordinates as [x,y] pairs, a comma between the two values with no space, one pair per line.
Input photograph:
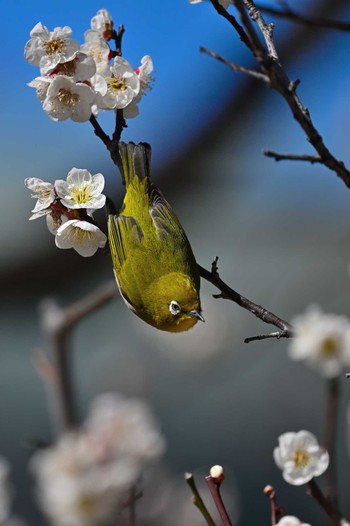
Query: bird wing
[167,225]
[124,234]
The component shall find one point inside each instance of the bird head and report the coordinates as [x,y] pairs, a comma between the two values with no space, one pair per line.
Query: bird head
[172,303]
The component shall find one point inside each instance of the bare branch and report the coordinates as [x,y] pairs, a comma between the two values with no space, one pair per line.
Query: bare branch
[315,492]
[234,66]
[279,81]
[276,334]
[286,330]
[197,499]
[308,20]
[293,157]
[232,20]
[214,487]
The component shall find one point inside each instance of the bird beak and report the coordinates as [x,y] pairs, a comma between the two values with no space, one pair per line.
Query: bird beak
[196,314]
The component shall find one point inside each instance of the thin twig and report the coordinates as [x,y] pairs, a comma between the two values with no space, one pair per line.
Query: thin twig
[279,81]
[234,66]
[286,330]
[308,20]
[275,334]
[292,157]
[232,20]
[214,488]
[276,511]
[197,499]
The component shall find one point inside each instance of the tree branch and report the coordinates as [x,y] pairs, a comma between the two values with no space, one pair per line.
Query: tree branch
[308,20]
[286,330]
[292,157]
[279,81]
[234,66]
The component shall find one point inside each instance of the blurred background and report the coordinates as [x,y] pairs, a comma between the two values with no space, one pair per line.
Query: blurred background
[281,231]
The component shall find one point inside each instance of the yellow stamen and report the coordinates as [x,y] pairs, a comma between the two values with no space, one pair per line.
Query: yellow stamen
[301,458]
[86,505]
[82,194]
[54,46]
[329,347]
[116,83]
[67,97]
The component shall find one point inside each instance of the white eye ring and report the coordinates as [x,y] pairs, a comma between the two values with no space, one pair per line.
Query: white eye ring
[174,308]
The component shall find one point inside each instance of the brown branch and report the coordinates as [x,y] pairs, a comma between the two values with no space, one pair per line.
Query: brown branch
[234,66]
[56,325]
[327,506]
[197,499]
[278,80]
[232,20]
[292,157]
[308,20]
[276,511]
[286,330]
[214,488]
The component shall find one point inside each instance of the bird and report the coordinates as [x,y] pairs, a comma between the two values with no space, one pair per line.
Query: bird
[153,262]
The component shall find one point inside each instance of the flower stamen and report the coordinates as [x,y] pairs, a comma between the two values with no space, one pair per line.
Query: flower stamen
[53,46]
[301,458]
[66,97]
[116,83]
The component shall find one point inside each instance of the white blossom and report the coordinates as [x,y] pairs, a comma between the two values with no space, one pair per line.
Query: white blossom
[322,340]
[81,190]
[83,236]
[41,84]
[125,427]
[224,3]
[82,67]
[290,520]
[144,74]
[45,194]
[67,99]
[97,48]
[48,49]
[85,478]
[102,22]
[118,86]
[300,457]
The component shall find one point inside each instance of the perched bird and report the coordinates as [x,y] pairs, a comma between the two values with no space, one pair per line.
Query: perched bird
[153,262]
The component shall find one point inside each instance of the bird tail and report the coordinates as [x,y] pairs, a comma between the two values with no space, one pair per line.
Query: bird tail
[136,159]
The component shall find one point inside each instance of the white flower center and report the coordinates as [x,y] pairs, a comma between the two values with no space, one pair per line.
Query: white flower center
[54,46]
[67,98]
[301,458]
[87,505]
[116,83]
[95,52]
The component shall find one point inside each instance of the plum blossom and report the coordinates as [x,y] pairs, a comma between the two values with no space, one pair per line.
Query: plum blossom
[118,86]
[84,479]
[290,520]
[81,190]
[322,340]
[300,457]
[102,23]
[83,236]
[97,48]
[144,74]
[67,99]
[224,3]
[48,49]
[45,194]
[81,68]
[41,84]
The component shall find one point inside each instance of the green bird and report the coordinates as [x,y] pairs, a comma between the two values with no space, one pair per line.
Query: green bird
[153,262]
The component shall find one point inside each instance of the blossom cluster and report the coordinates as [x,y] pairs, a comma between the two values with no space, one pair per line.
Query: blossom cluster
[78,80]
[86,477]
[68,207]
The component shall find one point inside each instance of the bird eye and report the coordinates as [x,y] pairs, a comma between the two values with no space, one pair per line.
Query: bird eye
[174,308]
